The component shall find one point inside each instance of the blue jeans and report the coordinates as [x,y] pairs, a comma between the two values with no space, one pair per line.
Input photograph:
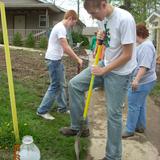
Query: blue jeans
[137,107]
[56,91]
[115,87]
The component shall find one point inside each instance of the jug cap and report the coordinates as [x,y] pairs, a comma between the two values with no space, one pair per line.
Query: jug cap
[27,139]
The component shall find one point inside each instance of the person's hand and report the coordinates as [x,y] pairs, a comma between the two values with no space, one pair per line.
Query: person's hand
[100,35]
[97,70]
[134,85]
[80,62]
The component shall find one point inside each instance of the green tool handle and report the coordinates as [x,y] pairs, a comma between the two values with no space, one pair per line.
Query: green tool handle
[99,50]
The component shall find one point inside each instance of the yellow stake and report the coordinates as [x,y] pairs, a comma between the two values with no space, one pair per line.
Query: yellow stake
[9,72]
[99,50]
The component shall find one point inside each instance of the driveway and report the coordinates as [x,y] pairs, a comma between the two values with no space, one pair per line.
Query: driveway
[140,147]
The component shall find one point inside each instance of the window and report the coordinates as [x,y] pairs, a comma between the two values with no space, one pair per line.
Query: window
[42,21]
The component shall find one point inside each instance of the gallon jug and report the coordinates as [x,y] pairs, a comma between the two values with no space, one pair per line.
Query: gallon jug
[28,150]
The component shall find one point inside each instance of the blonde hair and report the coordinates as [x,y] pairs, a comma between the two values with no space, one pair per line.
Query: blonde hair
[72,14]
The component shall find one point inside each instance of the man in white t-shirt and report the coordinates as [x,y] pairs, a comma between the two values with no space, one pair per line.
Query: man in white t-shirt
[57,46]
[113,73]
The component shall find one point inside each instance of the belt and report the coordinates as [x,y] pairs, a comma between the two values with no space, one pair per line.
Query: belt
[59,60]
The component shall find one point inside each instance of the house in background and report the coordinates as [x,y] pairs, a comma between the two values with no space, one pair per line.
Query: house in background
[89,32]
[26,16]
[153,23]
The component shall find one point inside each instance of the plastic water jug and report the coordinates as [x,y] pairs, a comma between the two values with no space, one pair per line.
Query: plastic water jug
[28,150]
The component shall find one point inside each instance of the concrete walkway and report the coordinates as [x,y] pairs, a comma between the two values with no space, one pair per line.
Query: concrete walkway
[138,147]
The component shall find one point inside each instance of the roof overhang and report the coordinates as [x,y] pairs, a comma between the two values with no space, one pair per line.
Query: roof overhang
[154,14]
[31,6]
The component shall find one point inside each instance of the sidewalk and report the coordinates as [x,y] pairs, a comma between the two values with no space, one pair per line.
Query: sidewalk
[134,148]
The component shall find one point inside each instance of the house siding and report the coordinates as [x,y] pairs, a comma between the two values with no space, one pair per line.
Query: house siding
[21,1]
[31,21]
[55,18]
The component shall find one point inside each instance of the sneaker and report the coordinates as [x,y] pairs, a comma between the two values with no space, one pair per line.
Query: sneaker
[67,131]
[126,134]
[68,112]
[46,116]
[62,111]
[140,130]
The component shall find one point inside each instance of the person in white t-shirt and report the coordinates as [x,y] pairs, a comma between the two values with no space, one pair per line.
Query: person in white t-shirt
[57,46]
[114,73]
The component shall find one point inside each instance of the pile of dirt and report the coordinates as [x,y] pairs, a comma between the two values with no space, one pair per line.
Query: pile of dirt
[29,65]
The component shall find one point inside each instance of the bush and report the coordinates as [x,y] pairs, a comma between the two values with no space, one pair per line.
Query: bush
[1,38]
[30,41]
[77,38]
[43,43]
[85,40]
[17,39]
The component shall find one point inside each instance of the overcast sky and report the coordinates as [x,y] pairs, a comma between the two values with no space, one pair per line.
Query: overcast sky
[72,4]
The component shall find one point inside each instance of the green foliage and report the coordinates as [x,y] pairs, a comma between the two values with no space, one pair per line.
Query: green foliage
[52,144]
[156,90]
[17,39]
[1,38]
[140,9]
[43,43]
[30,41]
[77,38]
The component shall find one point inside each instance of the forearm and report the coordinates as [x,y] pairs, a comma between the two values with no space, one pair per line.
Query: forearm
[68,50]
[140,74]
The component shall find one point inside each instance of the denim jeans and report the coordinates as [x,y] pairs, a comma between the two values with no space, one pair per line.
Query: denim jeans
[56,91]
[137,107]
[115,87]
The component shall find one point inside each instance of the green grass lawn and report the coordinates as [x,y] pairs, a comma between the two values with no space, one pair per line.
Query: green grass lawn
[156,89]
[53,146]
[155,93]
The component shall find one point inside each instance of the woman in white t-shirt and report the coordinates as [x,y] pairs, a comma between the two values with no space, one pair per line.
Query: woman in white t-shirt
[144,80]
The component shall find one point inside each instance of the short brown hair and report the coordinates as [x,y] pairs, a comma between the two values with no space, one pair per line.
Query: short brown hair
[142,30]
[71,13]
[93,3]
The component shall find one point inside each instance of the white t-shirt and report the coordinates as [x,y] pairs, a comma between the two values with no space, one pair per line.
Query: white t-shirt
[55,50]
[122,30]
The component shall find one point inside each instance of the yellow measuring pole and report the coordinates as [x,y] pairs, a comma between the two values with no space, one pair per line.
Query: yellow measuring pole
[9,72]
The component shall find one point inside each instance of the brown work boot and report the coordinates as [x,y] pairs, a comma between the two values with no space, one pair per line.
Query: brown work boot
[68,131]
[140,130]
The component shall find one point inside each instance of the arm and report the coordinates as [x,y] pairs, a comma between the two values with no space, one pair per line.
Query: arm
[121,60]
[140,74]
[68,50]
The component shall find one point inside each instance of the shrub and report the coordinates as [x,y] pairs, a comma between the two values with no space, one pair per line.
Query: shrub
[43,43]
[30,41]
[85,40]
[77,38]
[17,39]
[1,38]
